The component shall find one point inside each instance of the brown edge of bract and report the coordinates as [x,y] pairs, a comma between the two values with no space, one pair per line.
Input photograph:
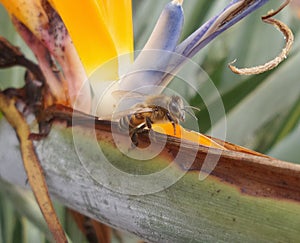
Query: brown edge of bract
[289,39]
[32,166]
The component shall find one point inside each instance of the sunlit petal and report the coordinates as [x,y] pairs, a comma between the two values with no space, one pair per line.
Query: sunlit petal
[89,33]
[118,18]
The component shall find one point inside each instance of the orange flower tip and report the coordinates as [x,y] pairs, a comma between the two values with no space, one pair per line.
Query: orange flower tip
[180,132]
[177,2]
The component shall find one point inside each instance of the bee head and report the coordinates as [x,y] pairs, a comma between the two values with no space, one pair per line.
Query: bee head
[176,108]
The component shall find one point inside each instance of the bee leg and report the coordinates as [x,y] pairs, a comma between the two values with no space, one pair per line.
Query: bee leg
[133,135]
[149,122]
[172,121]
[174,127]
[134,139]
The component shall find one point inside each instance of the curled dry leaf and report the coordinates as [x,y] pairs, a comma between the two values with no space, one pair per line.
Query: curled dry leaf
[289,39]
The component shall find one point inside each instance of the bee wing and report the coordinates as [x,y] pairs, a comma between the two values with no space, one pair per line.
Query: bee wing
[134,110]
[126,94]
[129,102]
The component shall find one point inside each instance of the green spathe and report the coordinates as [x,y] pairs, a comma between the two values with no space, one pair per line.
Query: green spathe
[206,210]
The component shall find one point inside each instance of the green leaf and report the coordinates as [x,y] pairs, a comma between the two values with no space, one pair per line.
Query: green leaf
[277,93]
[12,77]
[288,148]
[190,209]
[24,203]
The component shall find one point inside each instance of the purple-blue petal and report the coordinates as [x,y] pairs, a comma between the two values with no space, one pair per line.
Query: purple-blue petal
[152,62]
[157,67]
[190,46]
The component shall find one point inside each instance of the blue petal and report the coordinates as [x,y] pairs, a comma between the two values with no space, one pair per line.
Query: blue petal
[157,67]
[196,41]
[207,32]
[152,62]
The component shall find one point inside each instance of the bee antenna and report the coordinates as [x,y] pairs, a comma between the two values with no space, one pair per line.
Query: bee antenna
[192,107]
[191,114]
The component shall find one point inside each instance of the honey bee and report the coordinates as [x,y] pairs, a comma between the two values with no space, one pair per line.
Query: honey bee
[154,109]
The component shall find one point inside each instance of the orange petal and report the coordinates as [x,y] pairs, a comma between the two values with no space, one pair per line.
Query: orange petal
[89,33]
[167,128]
[118,17]
[101,30]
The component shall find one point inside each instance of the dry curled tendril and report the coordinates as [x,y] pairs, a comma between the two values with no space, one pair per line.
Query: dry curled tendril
[289,39]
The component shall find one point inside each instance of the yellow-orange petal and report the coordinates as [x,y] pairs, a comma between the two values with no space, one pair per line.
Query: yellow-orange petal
[118,18]
[89,33]
[167,128]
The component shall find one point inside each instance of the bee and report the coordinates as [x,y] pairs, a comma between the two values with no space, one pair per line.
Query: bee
[154,109]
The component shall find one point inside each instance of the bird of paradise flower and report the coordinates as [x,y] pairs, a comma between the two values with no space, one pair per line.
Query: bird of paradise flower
[71,41]
[82,41]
